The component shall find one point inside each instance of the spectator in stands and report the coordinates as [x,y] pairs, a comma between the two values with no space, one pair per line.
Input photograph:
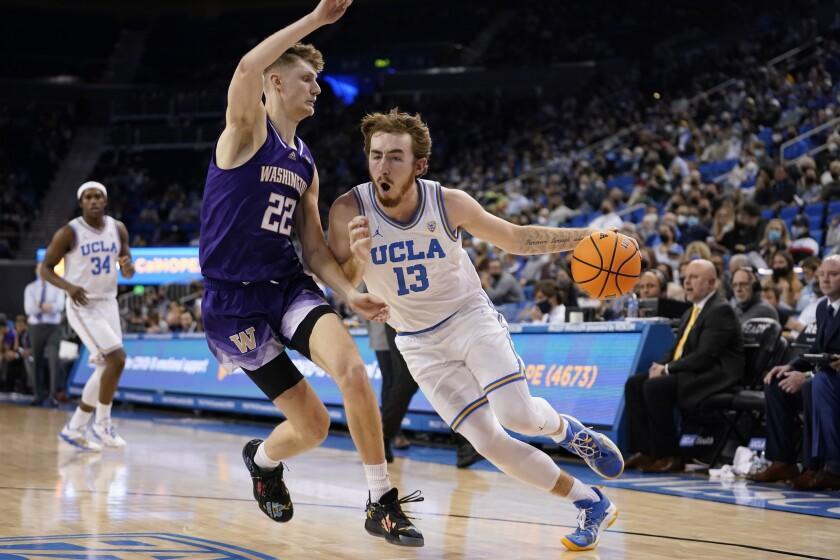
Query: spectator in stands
[723,223]
[707,359]
[8,353]
[831,189]
[652,284]
[23,343]
[809,187]
[668,250]
[746,288]
[832,236]
[776,238]
[803,245]
[695,230]
[649,230]
[154,324]
[820,395]
[783,190]
[187,324]
[548,304]
[608,218]
[782,264]
[744,236]
[674,290]
[771,293]
[173,315]
[810,285]
[697,250]
[501,287]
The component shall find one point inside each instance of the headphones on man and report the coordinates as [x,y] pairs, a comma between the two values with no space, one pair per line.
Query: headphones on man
[660,276]
[756,283]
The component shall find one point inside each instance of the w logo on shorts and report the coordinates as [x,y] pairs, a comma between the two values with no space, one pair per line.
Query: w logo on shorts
[245,340]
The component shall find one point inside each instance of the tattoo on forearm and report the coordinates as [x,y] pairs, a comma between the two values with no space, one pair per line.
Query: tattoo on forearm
[537,239]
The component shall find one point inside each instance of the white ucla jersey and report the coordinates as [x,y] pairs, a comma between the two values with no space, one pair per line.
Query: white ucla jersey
[92,263]
[419,267]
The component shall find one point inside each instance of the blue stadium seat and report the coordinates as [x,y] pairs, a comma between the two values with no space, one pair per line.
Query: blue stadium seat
[637,215]
[788,212]
[622,181]
[795,150]
[834,207]
[815,209]
[578,221]
[817,234]
[767,213]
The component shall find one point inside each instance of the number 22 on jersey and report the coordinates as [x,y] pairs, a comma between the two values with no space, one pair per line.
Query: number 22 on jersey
[283,208]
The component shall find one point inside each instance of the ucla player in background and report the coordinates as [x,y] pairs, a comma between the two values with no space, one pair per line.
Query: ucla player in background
[262,183]
[94,246]
[402,235]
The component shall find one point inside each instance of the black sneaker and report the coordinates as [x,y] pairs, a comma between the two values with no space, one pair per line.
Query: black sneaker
[386,519]
[269,489]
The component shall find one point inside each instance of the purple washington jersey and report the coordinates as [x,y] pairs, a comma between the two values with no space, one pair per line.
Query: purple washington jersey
[247,213]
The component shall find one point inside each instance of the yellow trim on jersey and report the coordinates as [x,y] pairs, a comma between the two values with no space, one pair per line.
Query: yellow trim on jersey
[516,376]
[469,409]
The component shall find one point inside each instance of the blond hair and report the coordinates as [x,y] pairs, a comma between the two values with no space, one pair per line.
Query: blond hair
[396,122]
[301,51]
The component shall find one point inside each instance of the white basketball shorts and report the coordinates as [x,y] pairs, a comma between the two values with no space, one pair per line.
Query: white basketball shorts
[97,324]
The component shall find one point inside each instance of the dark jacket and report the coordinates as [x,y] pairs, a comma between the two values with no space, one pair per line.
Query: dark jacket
[827,341]
[713,356]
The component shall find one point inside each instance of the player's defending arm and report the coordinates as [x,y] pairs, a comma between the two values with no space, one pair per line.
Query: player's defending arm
[126,265]
[349,238]
[320,260]
[463,211]
[245,128]
[61,244]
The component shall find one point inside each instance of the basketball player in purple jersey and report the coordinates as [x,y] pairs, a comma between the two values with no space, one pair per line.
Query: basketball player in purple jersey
[262,183]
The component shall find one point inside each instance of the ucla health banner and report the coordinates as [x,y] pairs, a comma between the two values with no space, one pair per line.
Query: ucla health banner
[578,372]
[155,265]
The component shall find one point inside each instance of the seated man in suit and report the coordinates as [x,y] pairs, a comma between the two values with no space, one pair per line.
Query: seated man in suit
[707,359]
[820,398]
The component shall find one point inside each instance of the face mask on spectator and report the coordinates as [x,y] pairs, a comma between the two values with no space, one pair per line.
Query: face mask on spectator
[544,306]
[773,236]
[780,271]
[682,219]
[799,231]
[693,220]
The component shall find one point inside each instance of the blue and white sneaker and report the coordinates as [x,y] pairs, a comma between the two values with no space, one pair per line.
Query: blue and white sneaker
[597,450]
[104,431]
[593,519]
[78,439]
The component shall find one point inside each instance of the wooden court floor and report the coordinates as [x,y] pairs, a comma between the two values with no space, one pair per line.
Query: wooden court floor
[181,485]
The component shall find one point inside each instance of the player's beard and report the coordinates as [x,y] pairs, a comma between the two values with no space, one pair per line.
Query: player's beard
[394,195]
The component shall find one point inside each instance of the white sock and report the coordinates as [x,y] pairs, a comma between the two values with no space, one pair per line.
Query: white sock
[581,491]
[562,431]
[378,480]
[79,419]
[262,459]
[103,412]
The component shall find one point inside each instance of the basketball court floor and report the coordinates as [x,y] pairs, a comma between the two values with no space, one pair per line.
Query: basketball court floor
[179,491]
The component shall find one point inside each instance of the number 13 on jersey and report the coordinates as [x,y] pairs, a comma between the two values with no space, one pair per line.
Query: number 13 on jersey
[416,275]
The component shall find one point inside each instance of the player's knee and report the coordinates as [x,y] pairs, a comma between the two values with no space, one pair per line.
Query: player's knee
[315,431]
[521,422]
[353,377]
[116,359]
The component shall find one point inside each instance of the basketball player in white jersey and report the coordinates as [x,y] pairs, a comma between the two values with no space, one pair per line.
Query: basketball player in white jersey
[401,235]
[94,246]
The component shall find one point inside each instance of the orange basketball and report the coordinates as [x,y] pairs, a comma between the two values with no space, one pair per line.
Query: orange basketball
[606,264]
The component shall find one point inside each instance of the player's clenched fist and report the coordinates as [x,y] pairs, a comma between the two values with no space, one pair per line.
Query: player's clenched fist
[360,239]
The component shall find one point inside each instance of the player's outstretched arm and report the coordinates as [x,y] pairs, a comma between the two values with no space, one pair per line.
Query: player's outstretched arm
[463,211]
[320,260]
[61,244]
[126,264]
[348,237]
[245,115]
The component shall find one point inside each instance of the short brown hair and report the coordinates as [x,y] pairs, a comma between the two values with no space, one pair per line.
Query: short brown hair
[397,122]
[304,52]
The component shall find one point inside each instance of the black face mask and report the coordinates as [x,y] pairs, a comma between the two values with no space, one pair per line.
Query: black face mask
[496,276]
[544,306]
[780,272]
[665,237]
